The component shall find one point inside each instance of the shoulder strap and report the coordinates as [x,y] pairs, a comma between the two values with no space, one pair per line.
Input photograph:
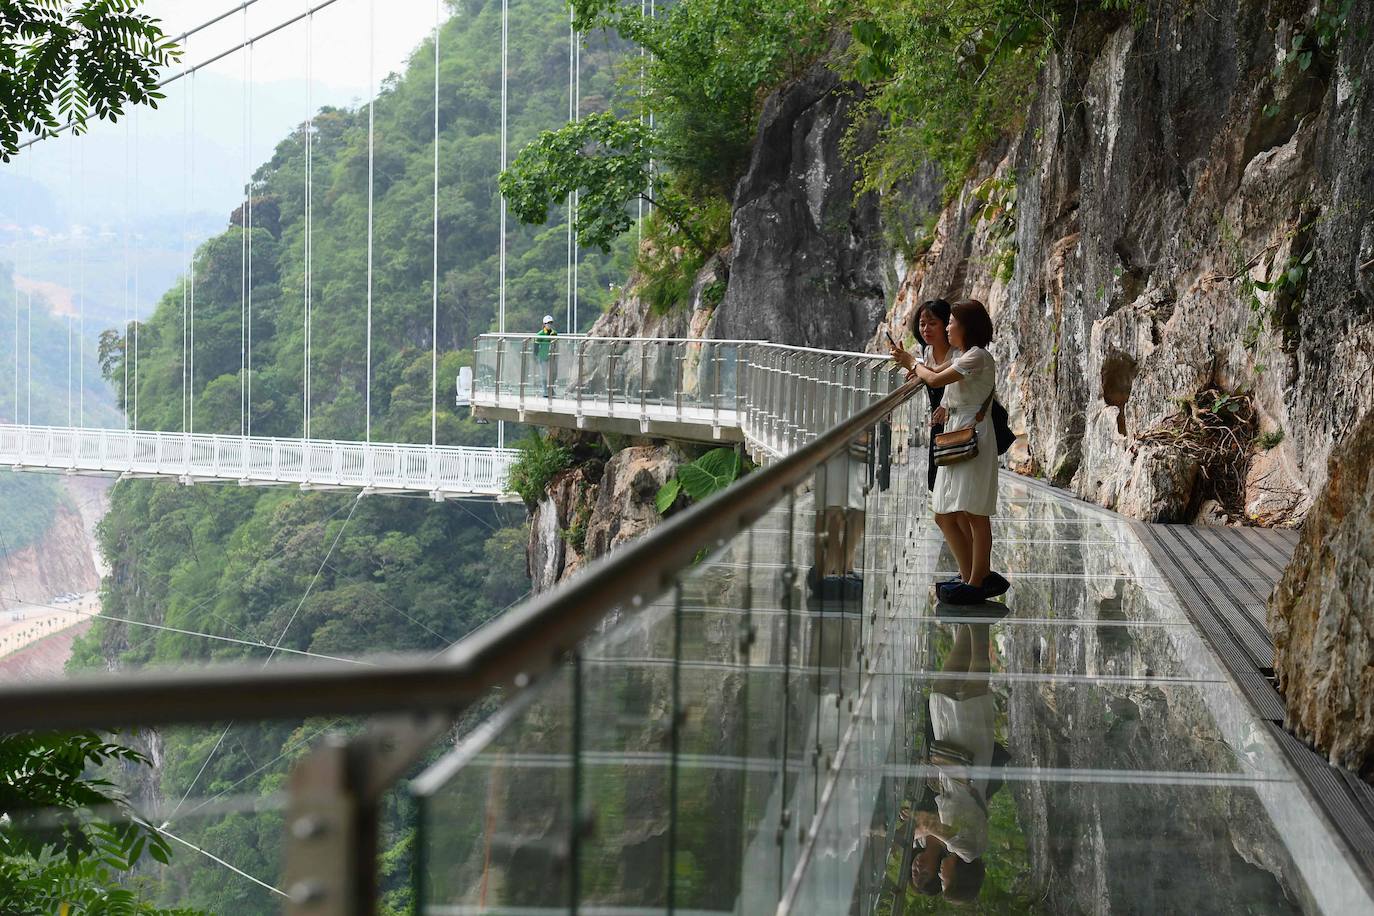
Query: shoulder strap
[982,411]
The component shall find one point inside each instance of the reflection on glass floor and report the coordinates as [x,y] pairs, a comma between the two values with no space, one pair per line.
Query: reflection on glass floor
[751,743]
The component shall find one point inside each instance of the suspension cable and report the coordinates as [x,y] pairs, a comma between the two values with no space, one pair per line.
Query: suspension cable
[124,405]
[275,647]
[70,259]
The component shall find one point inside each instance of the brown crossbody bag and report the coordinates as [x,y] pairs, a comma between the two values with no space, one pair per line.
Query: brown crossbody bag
[960,445]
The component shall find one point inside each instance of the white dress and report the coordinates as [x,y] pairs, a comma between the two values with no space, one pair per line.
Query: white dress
[970,486]
[968,725]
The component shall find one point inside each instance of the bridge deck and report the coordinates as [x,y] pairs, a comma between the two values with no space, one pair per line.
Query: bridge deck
[437,472]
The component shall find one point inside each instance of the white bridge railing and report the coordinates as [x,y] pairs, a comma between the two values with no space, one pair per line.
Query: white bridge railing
[775,397]
[310,463]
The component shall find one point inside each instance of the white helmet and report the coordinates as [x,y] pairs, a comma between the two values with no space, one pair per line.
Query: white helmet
[548,319]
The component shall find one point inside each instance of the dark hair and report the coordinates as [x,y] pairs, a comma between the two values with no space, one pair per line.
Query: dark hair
[973,317]
[937,307]
[965,879]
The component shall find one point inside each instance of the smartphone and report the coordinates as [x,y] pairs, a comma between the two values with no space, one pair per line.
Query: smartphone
[889,337]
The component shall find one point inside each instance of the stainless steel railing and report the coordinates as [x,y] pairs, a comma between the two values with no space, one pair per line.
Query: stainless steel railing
[778,397]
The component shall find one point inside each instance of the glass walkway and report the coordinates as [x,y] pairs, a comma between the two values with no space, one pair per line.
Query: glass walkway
[748,743]
[759,708]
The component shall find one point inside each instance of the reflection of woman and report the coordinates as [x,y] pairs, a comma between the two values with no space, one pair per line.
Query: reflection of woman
[954,837]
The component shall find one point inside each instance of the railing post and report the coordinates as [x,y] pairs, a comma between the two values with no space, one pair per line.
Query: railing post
[643,386]
[715,389]
[581,373]
[610,383]
[500,370]
[679,358]
[524,366]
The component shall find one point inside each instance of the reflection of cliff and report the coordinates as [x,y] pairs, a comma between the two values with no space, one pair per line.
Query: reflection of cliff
[1138,845]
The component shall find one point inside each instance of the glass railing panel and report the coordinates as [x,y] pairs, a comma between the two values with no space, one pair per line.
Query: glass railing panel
[495,816]
[625,790]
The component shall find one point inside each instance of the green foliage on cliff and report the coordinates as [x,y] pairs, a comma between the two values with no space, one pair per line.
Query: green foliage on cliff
[945,78]
[540,458]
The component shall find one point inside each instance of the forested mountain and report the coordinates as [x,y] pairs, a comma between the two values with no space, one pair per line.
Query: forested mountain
[325,573]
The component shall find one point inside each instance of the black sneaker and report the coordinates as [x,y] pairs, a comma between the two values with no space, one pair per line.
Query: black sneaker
[995,584]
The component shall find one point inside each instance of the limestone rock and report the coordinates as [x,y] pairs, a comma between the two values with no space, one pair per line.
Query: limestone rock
[1156,169]
[808,267]
[625,499]
[1322,613]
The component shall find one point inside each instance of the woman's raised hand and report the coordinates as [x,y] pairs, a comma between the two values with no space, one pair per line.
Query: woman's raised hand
[900,354]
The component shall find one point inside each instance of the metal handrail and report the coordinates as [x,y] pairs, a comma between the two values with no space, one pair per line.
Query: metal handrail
[511,652]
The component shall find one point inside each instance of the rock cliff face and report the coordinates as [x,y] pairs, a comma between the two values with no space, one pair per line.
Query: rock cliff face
[590,509]
[60,562]
[1160,172]
[1322,616]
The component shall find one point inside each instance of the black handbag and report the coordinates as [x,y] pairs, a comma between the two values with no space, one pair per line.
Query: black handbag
[1001,428]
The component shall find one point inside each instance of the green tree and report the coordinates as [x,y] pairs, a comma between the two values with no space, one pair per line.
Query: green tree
[63,63]
[70,837]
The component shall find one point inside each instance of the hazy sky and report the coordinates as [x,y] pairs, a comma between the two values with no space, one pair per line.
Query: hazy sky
[343,39]
[175,173]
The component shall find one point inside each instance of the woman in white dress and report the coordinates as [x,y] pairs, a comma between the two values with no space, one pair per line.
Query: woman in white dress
[965,496]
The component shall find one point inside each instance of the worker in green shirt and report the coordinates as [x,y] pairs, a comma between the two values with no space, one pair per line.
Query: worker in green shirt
[543,346]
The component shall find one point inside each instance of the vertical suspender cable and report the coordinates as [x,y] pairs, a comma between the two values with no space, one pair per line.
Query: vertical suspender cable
[137,171]
[577,197]
[501,267]
[434,279]
[309,220]
[125,403]
[248,192]
[371,194]
[243,250]
[185,258]
[81,311]
[191,316]
[71,269]
[639,203]
[28,332]
[568,205]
